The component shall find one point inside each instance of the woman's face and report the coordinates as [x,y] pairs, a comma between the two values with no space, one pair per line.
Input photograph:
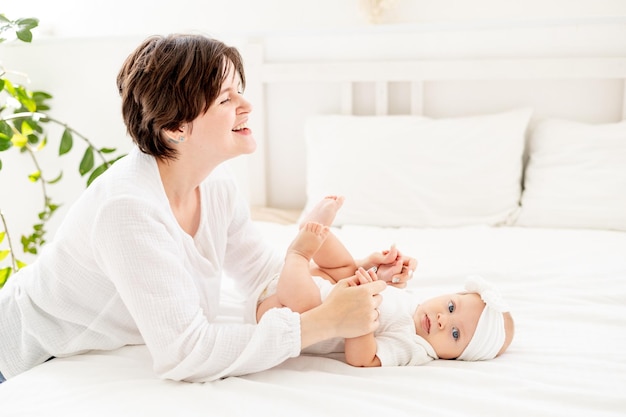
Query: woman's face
[448,322]
[222,132]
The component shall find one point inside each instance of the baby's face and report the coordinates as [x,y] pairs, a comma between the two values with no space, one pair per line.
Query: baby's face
[448,322]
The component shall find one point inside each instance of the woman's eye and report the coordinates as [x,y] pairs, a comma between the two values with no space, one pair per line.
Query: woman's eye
[451,307]
[455,333]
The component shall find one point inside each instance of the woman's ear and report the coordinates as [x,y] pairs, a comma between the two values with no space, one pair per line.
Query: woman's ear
[175,136]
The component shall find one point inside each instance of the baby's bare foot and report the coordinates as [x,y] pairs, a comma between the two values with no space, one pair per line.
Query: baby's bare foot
[309,240]
[325,211]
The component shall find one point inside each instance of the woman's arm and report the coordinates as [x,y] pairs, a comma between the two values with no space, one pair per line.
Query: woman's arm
[139,250]
[361,351]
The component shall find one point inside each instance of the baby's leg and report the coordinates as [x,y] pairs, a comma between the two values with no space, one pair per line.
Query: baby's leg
[296,289]
[267,304]
[332,261]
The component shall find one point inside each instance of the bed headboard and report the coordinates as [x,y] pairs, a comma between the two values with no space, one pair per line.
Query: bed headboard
[566,68]
[286,92]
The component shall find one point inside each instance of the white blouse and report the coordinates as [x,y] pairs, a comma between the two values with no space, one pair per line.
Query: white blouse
[121,271]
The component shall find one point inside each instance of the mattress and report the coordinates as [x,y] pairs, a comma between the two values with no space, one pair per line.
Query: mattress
[566,289]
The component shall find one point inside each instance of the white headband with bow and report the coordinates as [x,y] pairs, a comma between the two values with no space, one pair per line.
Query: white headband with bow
[490,334]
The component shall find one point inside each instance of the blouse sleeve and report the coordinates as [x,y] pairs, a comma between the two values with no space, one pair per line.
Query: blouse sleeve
[143,259]
[250,260]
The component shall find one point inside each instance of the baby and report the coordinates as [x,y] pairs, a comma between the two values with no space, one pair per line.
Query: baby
[470,325]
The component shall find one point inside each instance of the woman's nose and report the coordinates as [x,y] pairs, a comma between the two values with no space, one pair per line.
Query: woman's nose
[442,320]
[244,105]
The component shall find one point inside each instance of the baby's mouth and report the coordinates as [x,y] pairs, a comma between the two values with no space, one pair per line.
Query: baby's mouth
[426,324]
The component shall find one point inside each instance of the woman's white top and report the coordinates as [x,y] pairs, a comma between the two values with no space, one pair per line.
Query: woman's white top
[121,271]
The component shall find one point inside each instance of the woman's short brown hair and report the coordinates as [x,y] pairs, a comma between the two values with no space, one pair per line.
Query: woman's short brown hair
[169,81]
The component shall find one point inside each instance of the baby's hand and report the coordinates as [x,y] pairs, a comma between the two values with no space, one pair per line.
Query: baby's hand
[386,272]
[392,266]
[396,268]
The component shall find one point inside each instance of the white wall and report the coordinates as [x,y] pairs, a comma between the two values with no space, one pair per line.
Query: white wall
[288,105]
[80,46]
[78,18]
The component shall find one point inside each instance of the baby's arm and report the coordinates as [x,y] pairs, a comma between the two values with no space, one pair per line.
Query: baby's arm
[361,351]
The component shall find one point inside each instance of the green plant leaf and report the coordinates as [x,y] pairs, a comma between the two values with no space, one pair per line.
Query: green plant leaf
[26,128]
[107,150]
[86,164]
[25,35]
[28,244]
[33,139]
[5,143]
[4,275]
[4,254]
[8,86]
[40,96]
[27,22]
[2,235]
[36,126]
[1,84]
[57,179]
[19,140]
[25,98]
[34,177]
[96,173]
[20,264]
[5,130]
[42,144]
[66,142]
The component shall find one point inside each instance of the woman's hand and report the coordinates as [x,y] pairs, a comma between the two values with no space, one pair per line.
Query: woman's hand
[362,277]
[348,311]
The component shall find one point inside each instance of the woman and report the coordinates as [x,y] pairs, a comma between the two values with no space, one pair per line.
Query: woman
[141,254]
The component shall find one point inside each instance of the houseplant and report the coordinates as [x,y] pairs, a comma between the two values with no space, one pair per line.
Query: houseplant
[24,116]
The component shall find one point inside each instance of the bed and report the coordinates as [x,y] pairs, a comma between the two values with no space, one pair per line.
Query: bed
[508,189]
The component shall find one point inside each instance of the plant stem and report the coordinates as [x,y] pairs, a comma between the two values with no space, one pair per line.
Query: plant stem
[41,177]
[8,235]
[60,123]
[4,71]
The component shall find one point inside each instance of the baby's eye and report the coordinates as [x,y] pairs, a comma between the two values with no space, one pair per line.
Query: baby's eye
[450,306]
[455,333]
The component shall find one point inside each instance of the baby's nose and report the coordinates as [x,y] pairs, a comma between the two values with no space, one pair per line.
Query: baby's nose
[442,320]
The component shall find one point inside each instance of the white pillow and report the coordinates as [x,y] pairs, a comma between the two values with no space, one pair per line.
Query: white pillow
[576,176]
[417,171]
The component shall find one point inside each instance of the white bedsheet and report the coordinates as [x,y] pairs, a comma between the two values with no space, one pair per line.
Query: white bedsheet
[567,290]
